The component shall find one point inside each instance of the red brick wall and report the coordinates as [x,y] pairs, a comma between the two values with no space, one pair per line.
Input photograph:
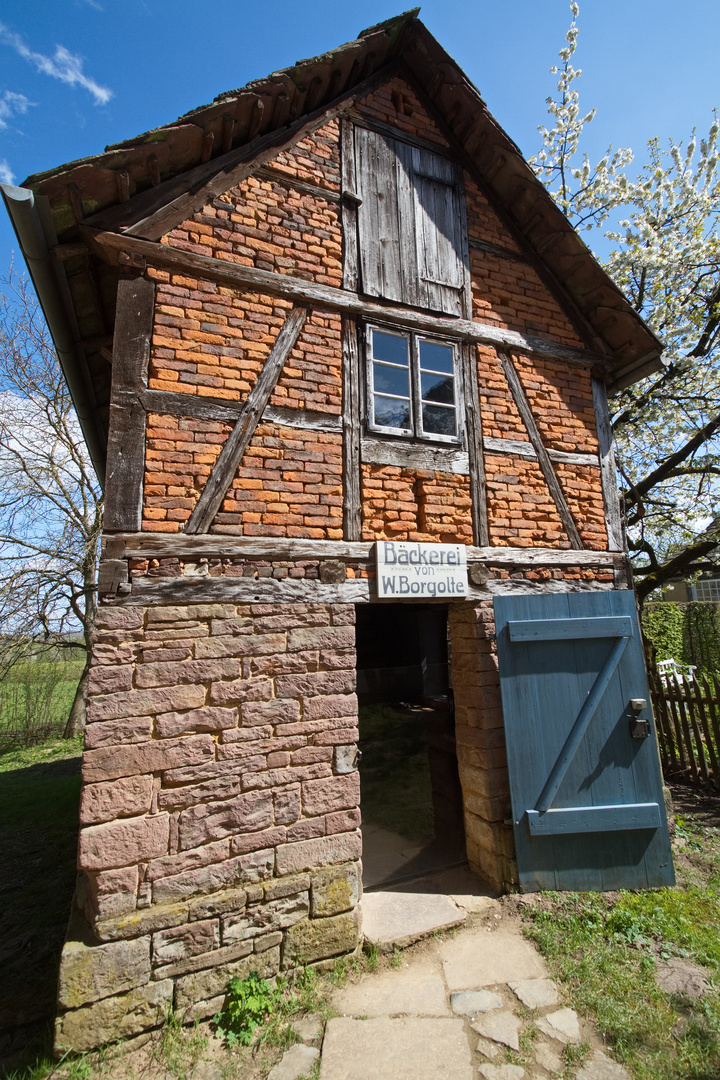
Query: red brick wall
[211,340]
[415,504]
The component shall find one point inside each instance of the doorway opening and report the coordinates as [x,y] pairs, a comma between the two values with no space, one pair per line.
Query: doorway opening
[411,799]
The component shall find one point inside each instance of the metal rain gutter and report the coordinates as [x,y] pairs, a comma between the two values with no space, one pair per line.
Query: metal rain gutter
[33,225]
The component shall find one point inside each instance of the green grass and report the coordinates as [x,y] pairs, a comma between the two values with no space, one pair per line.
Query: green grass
[395,771]
[605,948]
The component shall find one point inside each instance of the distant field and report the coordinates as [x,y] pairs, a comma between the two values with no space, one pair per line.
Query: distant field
[35,701]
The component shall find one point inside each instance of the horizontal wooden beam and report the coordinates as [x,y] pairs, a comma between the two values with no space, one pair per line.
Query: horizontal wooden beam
[406,455]
[519,448]
[284,549]
[218,590]
[108,245]
[171,403]
[413,456]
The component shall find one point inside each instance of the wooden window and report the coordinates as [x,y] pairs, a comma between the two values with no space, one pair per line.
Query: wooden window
[412,385]
[411,224]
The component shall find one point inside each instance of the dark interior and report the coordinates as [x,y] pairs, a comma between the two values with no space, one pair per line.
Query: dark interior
[411,798]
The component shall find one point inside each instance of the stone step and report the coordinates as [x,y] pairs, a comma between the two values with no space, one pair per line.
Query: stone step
[394,920]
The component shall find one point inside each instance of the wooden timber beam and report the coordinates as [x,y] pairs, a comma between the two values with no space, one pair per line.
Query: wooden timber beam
[239,438]
[523,406]
[146,592]
[611,496]
[351,382]
[155,212]
[373,450]
[109,245]
[126,438]
[142,545]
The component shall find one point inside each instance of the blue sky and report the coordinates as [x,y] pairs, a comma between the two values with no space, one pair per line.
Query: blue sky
[78,74]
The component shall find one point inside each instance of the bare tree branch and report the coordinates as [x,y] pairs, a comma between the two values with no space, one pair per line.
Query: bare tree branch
[50,500]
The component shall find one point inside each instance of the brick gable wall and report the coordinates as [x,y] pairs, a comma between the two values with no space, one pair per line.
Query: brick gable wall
[212,341]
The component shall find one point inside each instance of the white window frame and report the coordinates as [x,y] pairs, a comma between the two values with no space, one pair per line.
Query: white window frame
[415,431]
[707,590]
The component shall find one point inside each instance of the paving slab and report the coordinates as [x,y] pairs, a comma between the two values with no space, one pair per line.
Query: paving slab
[561,1025]
[478,958]
[502,1072]
[486,1048]
[308,1028]
[417,990]
[401,918]
[535,993]
[502,1027]
[548,1059]
[472,1002]
[296,1062]
[465,889]
[600,1067]
[402,1049]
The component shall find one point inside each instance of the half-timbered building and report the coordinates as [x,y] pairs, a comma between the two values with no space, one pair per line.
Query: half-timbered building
[341,365]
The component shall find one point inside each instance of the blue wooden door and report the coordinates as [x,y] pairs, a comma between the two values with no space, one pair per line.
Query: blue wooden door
[586,787]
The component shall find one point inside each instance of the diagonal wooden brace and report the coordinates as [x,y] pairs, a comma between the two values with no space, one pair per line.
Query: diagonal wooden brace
[239,438]
[580,726]
[546,466]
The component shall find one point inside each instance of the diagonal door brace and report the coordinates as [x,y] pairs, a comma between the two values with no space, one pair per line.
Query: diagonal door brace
[580,726]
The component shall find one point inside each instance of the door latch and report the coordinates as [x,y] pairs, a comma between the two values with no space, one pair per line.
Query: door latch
[639,729]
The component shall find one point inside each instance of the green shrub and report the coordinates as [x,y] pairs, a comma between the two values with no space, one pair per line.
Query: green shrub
[249,1003]
[664,626]
[701,637]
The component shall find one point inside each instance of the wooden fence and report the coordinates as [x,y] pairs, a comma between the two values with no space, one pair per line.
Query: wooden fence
[687,717]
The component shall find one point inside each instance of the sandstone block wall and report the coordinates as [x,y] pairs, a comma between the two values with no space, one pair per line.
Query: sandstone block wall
[219,815]
[480,736]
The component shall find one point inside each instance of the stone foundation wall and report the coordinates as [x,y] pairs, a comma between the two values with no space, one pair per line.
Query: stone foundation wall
[219,812]
[480,737]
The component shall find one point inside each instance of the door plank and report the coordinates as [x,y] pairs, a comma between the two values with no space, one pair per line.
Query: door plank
[569,629]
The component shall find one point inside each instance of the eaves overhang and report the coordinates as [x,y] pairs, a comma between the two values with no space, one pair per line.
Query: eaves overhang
[33,224]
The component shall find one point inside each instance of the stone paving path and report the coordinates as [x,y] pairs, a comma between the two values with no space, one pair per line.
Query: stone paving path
[474,1003]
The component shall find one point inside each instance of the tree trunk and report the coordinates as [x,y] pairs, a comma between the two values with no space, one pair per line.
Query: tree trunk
[76,720]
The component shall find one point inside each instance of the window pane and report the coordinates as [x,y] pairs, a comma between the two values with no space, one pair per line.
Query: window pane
[390,412]
[437,388]
[390,347]
[434,357]
[391,380]
[438,421]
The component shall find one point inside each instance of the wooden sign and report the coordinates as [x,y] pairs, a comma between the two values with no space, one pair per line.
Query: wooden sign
[410,571]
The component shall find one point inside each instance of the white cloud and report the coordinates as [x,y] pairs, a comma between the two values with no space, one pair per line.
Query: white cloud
[12,104]
[7,176]
[63,65]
